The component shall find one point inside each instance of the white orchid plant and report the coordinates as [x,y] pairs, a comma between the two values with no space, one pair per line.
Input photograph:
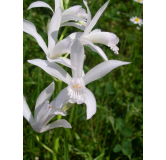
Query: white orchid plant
[73,44]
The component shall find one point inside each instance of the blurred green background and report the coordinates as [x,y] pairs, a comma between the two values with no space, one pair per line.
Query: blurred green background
[115,132]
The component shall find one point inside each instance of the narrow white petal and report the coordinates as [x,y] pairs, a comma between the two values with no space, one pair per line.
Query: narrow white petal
[60,48]
[72,10]
[38,125]
[95,18]
[30,28]
[90,102]
[43,97]
[106,38]
[101,70]
[53,69]
[94,48]
[54,28]
[59,123]
[73,24]
[75,35]
[103,38]
[66,18]
[77,58]
[89,14]
[62,98]
[26,112]
[57,4]
[62,61]
[39,4]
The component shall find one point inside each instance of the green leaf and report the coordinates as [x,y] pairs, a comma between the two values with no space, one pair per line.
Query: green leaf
[111,119]
[66,147]
[126,132]
[127,151]
[117,148]
[120,124]
[126,143]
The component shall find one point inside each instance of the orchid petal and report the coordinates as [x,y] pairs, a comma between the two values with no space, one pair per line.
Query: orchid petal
[62,61]
[53,69]
[39,4]
[95,19]
[59,123]
[101,70]
[94,48]
[95,30]
[75,35]
[77,58]
[106,38]
[26,112]
[74,24]
[60,48]
[41,101]
[57,4]
[90,102]
[89,14]
[62,98]
[38,125]
[54,28]
[66,18]
[30,28]
[72,10]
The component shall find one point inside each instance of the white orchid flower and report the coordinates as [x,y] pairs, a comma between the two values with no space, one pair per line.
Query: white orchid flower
[54,50]
[136,20]
[76,92]
[44,112]
[89,37]
[76,13]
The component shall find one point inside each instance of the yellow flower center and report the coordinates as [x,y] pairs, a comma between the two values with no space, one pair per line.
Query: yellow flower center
[139,0]
[136,19]
[77,86]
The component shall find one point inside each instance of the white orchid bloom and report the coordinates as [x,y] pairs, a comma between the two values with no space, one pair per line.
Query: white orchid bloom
[44,112]
[139,1]
[89,37]
[136,20]
[76,13]
[54,50]
[76,92]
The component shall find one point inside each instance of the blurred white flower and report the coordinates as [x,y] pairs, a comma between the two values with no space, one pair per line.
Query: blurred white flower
[138,28]
[89,37]
[54,50]
[76,92]
[139,1]
[76,13]
[136,20]
[44,112]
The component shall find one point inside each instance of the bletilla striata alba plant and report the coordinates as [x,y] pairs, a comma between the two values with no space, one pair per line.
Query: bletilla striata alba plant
[76,91]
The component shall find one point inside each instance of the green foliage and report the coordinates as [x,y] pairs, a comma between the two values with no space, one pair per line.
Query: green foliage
[115,131]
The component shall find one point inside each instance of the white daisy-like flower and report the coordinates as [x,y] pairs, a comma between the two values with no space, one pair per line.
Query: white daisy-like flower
[139,1]
[136,20]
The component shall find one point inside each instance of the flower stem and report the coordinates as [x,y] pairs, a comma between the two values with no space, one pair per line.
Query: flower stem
[43,145]
[63,33]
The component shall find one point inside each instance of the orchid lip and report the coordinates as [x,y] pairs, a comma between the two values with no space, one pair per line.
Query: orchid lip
[76,90]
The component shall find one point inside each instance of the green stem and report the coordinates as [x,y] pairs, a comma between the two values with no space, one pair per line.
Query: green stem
[63,33]
[43,145]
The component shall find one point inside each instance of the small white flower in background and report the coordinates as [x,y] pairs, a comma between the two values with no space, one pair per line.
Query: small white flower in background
[76,92]
[44,112]
[139,1]
[76,13]
[54,50]
[136,20]
[36,158]
[89,37]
